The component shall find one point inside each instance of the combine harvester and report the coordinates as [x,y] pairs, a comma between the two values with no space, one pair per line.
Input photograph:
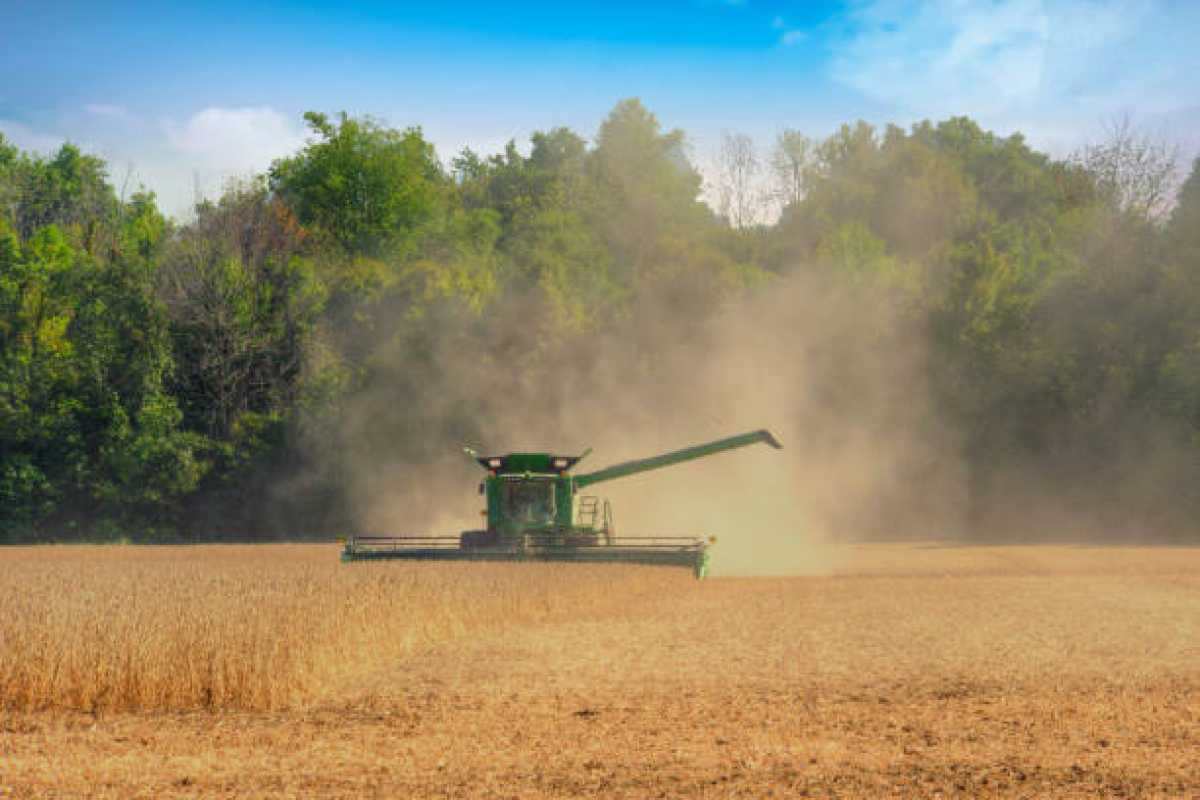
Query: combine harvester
[533,515]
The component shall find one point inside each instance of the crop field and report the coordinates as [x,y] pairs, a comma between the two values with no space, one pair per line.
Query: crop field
[901,670]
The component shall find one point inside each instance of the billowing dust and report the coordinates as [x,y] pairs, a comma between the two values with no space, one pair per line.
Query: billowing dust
[841,385]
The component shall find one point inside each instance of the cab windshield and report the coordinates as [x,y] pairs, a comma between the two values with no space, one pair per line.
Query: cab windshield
[529,502]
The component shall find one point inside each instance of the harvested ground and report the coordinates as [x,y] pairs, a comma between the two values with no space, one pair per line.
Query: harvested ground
[911,671]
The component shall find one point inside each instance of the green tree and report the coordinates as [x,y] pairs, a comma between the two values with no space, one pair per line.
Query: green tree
[69,190]
[1180,390]
[8,180]
[647,191]
[1184,226]
[243,300]
[90,436]
[366,186]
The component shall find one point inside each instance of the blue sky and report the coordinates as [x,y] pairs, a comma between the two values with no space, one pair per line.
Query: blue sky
[181,96]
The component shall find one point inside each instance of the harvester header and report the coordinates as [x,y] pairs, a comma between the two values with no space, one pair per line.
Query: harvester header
[533,514]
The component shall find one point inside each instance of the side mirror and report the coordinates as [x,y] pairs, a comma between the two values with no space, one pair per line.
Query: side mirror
[481,490]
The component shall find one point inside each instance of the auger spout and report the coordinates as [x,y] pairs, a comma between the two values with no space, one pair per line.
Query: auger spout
[676,457]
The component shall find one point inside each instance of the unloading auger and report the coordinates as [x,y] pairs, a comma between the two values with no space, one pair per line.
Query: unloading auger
[535,513]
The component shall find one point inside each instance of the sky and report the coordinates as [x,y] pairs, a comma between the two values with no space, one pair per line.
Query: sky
[180,97]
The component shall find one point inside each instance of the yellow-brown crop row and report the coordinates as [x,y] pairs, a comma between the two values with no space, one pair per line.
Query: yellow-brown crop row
[256,627]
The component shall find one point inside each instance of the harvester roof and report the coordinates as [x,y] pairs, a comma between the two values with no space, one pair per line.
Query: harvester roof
[519,463]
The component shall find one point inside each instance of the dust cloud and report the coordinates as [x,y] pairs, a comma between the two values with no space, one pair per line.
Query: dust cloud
[864,456]
[842,378]
[865,453]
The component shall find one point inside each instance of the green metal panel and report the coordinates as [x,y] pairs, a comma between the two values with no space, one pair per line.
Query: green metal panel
[493,502]
[516,463]
[676,457]
[564,500]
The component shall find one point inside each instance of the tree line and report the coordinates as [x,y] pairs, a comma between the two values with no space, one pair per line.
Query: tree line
[362,300]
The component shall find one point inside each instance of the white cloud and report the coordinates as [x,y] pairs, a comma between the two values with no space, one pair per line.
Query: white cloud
[235,139]
[946,55]
[1011,59]
[105,110]
[1056,70]
[788,36]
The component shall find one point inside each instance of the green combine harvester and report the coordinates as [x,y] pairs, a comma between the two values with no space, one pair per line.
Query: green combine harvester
[534,514]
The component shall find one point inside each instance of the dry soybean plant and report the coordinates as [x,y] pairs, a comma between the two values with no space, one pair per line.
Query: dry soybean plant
[257,627]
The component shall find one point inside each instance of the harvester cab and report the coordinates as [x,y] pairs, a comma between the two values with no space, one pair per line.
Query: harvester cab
[535,512]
